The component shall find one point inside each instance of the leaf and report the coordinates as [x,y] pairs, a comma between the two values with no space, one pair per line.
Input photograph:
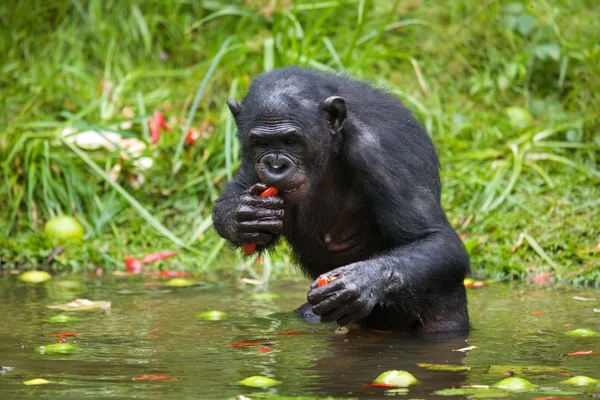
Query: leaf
[258,381]
[522,369]
[82,305]
[525,24]
[444,367]
[551,50]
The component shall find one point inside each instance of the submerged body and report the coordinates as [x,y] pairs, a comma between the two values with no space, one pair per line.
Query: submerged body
[359,198]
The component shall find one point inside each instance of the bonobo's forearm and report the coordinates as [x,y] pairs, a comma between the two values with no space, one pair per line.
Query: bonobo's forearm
[223,210]
[423,278]
[423,270]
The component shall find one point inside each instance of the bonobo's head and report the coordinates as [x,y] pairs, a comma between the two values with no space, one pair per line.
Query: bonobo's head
[289,126]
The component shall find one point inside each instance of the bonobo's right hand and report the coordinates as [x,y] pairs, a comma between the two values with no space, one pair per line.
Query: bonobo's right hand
[257,219]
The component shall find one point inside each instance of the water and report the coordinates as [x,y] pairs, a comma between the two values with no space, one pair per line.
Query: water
[151,330]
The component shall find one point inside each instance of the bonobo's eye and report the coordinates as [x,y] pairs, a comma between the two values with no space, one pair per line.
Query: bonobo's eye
[256,141]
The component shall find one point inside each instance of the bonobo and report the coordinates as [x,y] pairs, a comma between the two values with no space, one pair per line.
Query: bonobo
[359,199]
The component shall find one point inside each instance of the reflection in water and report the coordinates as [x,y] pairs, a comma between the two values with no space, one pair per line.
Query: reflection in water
[355,359]
[151,331]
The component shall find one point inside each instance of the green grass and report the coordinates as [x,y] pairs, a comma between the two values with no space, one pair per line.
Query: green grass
[509,91]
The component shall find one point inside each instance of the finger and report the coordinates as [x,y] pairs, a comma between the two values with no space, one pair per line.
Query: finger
[318,294]
[339,313]
[336,300]
[271,202]
[260,214]
[270,225]
[338,273]
[258,188]
[254,237]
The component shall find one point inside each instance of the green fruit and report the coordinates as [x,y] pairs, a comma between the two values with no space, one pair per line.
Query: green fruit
[180,282]
[58,348]
[258,381]
[212,315]
[580,381]
[581,332]
[516,384]
[35,276]
[64,228]
[61,319]
[396,378]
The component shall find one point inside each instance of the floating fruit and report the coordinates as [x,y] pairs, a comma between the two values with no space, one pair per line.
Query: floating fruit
[258,381]
[396,378]
[212,315]
[35,276]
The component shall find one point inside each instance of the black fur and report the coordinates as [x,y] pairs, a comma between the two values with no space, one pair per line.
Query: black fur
[364,201]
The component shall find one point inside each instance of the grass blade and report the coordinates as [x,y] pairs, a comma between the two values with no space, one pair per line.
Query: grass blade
[196,102]
[145,214]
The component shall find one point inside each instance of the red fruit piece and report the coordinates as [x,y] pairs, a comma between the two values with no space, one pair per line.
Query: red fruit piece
[161,255]
[192,135]
[582,353]
[63,334]
[133,265]
[325,279]
[155,378]
[265,350]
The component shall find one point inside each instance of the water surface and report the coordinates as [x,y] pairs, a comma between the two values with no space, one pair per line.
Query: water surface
[152,330]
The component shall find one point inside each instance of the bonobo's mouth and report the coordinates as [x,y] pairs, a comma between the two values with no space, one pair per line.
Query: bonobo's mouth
[294,194]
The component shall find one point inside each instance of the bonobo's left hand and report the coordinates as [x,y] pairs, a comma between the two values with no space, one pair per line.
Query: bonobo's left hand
[352,295]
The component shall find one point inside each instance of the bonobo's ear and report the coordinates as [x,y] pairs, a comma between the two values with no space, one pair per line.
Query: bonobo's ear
[234,107]
[335,107]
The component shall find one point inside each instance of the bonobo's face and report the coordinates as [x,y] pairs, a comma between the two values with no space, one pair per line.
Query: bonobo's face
[280,151]
[289,148]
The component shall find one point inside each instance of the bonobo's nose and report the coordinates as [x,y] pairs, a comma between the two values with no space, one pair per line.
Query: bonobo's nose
[277,167]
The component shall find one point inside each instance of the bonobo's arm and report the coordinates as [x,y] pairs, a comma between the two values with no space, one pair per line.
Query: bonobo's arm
[426,266]
[241,215]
